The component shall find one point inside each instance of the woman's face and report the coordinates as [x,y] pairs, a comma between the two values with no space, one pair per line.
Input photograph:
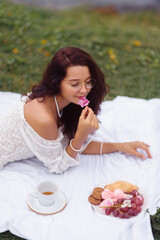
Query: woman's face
[75,84]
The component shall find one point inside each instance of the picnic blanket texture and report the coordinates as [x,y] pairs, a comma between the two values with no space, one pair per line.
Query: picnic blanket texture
[122,119]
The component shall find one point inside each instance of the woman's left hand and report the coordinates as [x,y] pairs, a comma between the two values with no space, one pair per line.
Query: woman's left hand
[131,148]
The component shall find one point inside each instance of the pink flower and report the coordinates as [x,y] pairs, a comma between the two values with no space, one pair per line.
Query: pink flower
[119,194]
[107,194]
[106,203]
[114,200]
[83,102]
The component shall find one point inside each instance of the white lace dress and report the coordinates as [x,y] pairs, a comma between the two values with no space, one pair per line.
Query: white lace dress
[19,141]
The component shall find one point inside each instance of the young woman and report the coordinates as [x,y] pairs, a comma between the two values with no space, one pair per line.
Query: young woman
[51,125]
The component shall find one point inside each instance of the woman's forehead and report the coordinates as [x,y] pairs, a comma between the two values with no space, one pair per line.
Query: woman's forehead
[77,72]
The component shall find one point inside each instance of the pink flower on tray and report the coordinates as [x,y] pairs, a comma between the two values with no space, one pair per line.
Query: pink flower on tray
[83,101]
[114,196]
[106,203]
[107,194]
[119,194]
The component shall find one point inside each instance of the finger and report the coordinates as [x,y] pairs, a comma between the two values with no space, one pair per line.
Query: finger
[90,114]
[137,154]
[142,156]
[87,113]
[148,152]
[146,144]
[84,112]
[145,148]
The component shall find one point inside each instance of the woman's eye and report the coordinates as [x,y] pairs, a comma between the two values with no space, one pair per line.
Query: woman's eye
[89,82]
[75,85]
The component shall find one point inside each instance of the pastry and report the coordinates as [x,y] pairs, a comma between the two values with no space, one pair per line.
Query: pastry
[126,187]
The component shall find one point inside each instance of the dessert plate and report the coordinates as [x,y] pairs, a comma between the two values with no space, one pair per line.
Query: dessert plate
[36,207]
[101,211]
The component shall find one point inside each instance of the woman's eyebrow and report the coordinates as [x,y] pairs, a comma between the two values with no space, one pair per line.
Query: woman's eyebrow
[72,80]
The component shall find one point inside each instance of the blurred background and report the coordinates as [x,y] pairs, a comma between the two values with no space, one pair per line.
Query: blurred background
[119,4]
[123,36]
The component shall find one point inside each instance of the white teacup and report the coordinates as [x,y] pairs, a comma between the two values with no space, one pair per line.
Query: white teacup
[46,193]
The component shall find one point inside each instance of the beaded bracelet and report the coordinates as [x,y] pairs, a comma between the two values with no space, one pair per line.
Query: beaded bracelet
[101,147]
[76,150]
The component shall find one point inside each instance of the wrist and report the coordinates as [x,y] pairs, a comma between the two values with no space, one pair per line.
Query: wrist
[76,144]
[79,139]
[111,147]
[75,149]
[118,147]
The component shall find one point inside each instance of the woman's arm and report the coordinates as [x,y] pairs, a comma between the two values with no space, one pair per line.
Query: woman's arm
[88,123]
[127,147]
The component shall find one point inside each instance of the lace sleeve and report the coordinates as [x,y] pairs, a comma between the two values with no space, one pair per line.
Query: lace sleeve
[51,152]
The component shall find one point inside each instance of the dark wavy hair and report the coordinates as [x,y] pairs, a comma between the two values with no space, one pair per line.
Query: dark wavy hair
[55,73]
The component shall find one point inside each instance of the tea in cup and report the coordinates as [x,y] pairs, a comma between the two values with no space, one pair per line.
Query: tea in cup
[46,193]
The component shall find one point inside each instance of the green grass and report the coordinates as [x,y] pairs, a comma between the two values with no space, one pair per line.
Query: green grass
[29,37]
[134,72]
[8,236]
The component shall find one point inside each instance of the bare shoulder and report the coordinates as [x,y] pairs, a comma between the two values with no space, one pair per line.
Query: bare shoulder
[40,117]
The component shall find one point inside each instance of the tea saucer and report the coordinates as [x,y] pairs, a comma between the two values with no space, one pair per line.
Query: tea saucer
[36,207]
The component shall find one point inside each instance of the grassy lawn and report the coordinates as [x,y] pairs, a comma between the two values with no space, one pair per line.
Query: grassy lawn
[126,47]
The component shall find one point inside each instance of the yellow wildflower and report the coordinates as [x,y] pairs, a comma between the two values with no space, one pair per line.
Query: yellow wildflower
[15,50]
[44,42]
[47,54]
[110,51]
[113,57]
[137,43]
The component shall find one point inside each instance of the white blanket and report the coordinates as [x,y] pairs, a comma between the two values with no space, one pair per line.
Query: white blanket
[122,119]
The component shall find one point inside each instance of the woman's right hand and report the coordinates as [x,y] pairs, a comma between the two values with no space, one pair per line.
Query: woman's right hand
[88,123]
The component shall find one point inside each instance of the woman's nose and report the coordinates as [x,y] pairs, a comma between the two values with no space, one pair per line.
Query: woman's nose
[83,89]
